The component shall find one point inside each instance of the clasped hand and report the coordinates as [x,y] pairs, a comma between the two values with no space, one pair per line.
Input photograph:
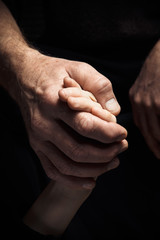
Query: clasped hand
[73,147]
[145,99]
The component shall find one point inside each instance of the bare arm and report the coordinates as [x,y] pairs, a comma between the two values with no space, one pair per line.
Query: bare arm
[34,81]
[58,203]
[54,209]
[145,99]
[13,49]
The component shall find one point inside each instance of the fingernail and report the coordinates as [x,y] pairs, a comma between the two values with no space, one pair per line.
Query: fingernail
[112,105]
[113,118]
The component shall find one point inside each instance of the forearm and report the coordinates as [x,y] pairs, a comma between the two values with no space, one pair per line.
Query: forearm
[55,208]
[10,34]
[13,52]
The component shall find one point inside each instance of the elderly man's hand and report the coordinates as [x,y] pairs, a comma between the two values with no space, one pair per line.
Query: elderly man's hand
[73,147]
[145,99]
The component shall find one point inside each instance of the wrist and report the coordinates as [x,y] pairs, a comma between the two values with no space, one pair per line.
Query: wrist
[13,64]
[55,208]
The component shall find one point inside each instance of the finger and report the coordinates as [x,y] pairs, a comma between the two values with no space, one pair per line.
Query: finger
[68,167]
[101,87]
[153,122]
[136,106]
[70,82]
[103,114]
[81,149]
[87,105]
[88,125]
[71,181]
[145,129]
[65,93]
[153,127]
[82,104]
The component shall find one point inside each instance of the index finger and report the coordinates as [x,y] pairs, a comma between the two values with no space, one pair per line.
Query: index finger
[88,125]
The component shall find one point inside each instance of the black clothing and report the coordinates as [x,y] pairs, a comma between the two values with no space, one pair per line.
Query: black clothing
[106,29]
[125,202]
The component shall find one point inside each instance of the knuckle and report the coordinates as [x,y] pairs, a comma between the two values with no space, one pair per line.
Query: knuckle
[76,153]
[83,65]
[47,95]
[103,85]
[85,124]
[66,169]
[50,170]
[136,99]
[80,67]
[142,100]
[147,103]
[145,100]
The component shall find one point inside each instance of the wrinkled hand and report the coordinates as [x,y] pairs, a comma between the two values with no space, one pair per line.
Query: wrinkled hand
[145,99]
[58,134]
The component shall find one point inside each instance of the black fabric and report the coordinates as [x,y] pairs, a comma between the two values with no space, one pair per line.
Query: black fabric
[108,29]
[115,39]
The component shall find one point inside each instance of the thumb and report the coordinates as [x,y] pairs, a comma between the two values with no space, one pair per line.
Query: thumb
[103,91]
[93,81]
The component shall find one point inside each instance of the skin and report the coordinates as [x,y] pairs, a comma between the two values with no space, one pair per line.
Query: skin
[145,99]
[58,200]
[53,210]
[33,80]
[82,100]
